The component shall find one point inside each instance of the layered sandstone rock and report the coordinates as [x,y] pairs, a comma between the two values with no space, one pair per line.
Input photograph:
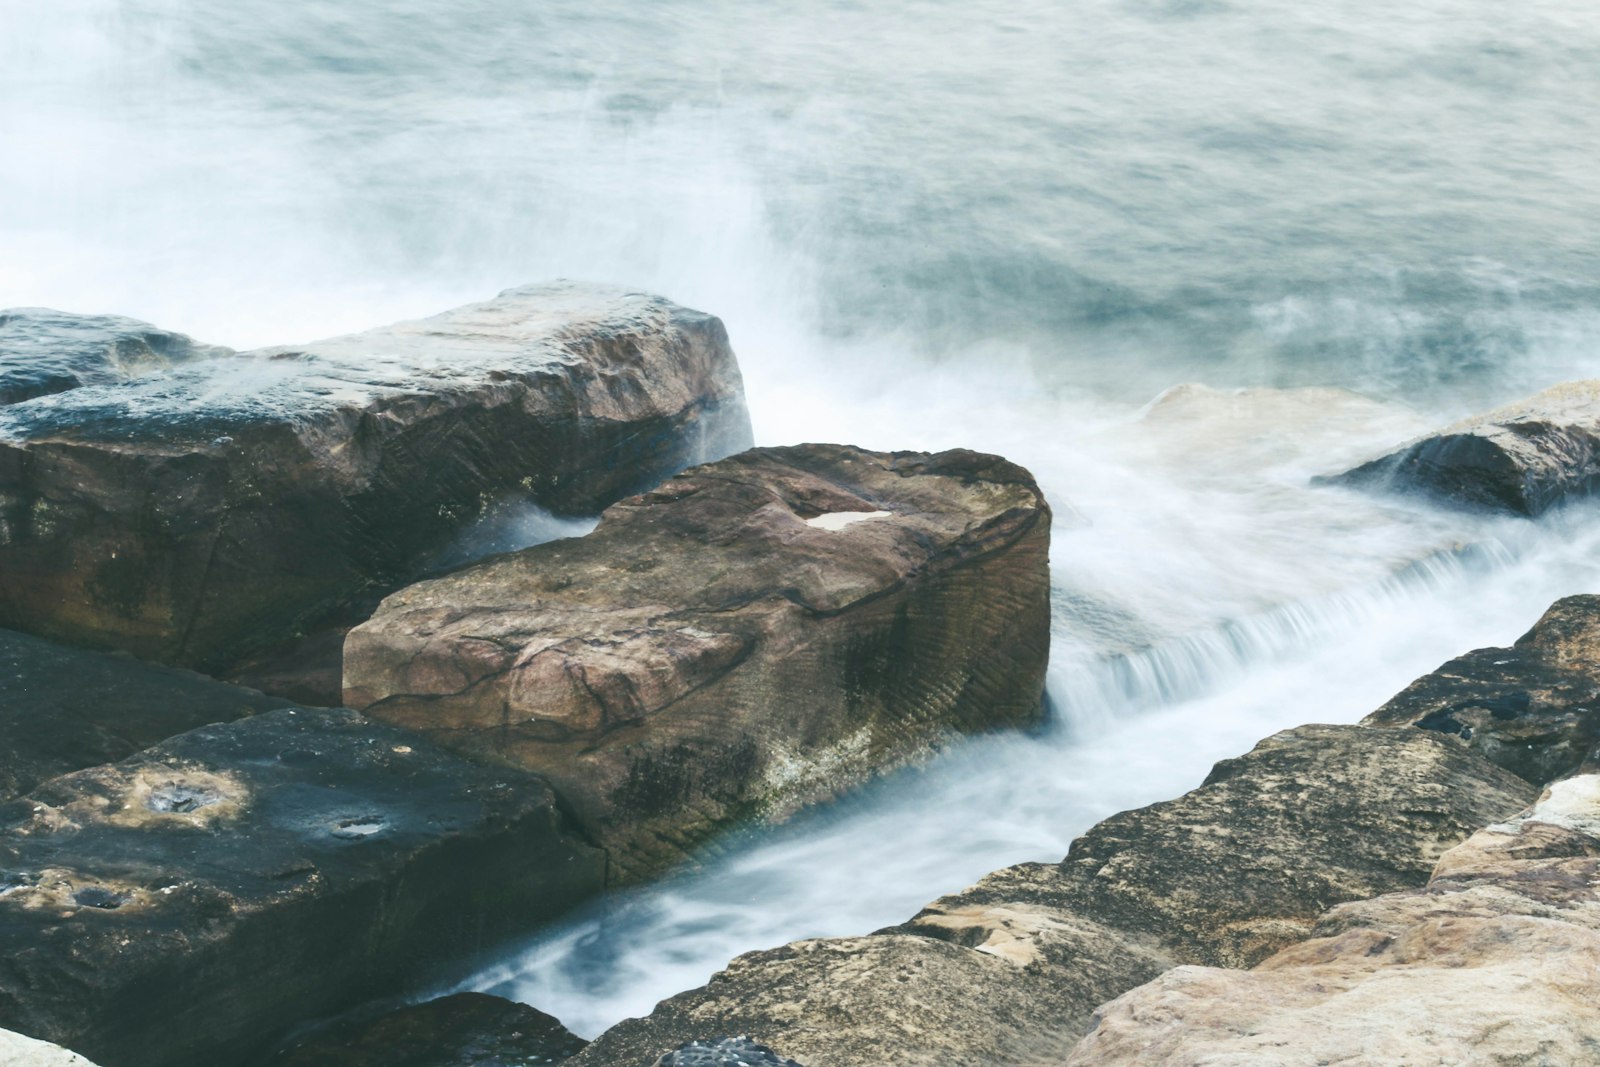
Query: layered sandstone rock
[206,511]
[1533,708]
[1010,970]
[63,709]
[1524,458]
[185,905]
[1496,961]
[754,635]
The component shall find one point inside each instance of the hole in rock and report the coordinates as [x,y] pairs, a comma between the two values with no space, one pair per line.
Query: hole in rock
[358,828]
[180,799]
[95,896]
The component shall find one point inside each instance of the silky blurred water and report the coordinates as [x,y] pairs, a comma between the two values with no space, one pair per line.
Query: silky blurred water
[1020,227]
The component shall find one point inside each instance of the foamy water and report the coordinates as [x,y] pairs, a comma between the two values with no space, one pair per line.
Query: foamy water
[1018,227]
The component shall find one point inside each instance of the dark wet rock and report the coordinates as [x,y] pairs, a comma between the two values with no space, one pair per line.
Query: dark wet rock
[1523,459]
[44,351]
[1010,970]
[461,1030]
[1495,961]
[213,510]
[63,709]
[726,1052]
[1533,708]
[755,635]
[186,905]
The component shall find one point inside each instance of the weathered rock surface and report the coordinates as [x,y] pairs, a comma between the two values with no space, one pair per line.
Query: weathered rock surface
[1524,458]
[1010,970]
[63,709]
[754,635]
[1496,961]
[44,352]
[462,1030]
[183,906]
[19,1051]
[1533,708]
[208,511]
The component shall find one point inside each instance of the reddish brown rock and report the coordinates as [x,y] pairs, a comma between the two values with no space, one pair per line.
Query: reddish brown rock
[755,635]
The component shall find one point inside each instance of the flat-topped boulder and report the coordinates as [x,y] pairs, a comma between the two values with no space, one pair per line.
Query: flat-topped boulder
[212,508]
[752,636]
[1011,970]
[1524,458]
[1495,961]
[63,709]
[44,351]
[188,904]
[1533,708]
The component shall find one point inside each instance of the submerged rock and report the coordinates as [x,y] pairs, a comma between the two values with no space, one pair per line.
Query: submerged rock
[211,510]
[461,1030]
[63,709]
[184,906]
[1497,961]
[19,1051]
[44,352]
[754,635]
[1533,708]
[1010,970]
[1524,458]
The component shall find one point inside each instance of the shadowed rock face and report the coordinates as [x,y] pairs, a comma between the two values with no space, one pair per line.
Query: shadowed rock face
[754,635]
[1523,459]
[202,513]
[462,1030]
[185,905]
[44,352]
[1010,970]
[1533,708]
[1496,961]
[63,709]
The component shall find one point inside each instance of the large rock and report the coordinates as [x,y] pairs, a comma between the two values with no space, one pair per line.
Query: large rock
[63,709]
[200,514]
[754,635]
[44,351]
[1523,459]
[462,1030]
[1533,708]
[1011,970]
[1496,961]
[185,905]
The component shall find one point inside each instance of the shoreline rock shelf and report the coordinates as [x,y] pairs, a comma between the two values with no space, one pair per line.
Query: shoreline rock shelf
[712,653]
[207,509]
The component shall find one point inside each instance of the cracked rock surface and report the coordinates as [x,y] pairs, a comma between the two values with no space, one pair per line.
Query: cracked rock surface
[182,907]
[754,635]
[198,510]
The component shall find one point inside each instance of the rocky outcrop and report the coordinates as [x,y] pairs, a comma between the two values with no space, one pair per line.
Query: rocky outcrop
[461,1030]
[1533,708]
[1524,459]
[19,1051]
[754,635]
[1496,961]
[63,709]
[208,511]
[185,905]
[1010,970]
[44,352]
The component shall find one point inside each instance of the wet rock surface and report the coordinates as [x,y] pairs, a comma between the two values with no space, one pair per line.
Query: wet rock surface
[211,510]
[44,352]
[462,1030]
[185,905]
[754,635]
[1522,459]
[63,709]
[1533,708]
[1010,970]
[1495,961]
[727,1052]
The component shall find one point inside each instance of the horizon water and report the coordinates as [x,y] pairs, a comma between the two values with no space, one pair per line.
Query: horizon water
[1174,256]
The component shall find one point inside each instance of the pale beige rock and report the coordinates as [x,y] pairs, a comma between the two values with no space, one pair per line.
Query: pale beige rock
[19,1051]
[1495,961]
